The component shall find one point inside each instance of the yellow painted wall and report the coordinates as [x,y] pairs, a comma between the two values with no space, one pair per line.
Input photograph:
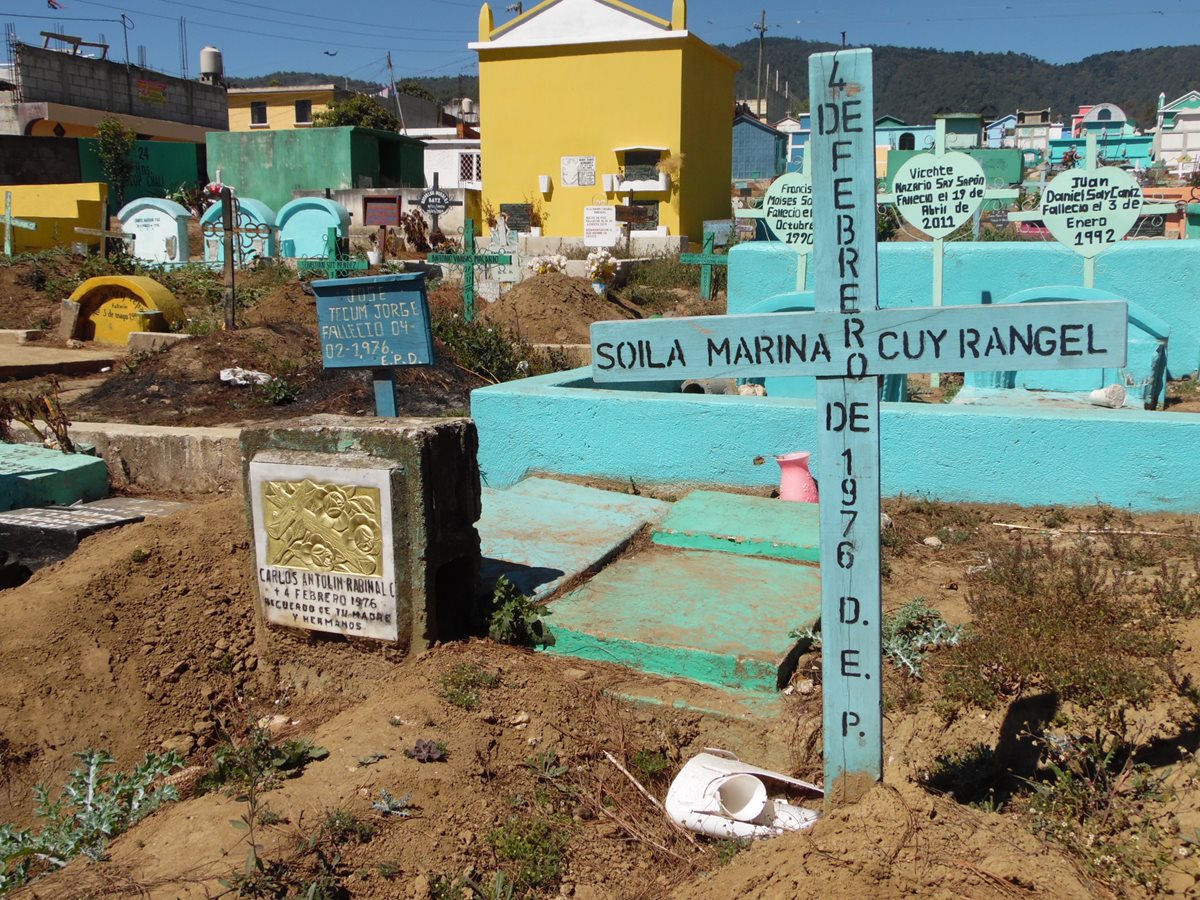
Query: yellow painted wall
[543,103]
[57,209]
[45,128]
[704,180]
[281,108]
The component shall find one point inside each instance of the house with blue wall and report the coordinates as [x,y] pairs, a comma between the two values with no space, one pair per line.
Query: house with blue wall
[1001,132]
[759,151]
[797,127]
[1129,150]
[896,134]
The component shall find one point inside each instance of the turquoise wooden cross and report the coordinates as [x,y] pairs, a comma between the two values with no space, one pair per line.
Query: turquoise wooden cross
[939,192]
[469,259]
[10,223]
[706,260]
[1091,207]
[848,343]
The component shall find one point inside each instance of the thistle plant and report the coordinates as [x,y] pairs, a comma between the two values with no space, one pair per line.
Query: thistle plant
[93,807]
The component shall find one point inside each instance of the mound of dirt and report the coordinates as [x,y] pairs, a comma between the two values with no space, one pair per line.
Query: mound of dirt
[105,651]
[898,842]
[182,386]
[555,309]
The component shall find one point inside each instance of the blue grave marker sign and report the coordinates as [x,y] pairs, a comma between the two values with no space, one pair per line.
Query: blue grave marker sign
[847,342]
[378,323]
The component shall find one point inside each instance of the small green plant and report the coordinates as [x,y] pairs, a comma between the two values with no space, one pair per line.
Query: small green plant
[907,635]
[342,826]
[138,555]
[546,765]
[1094,802]
[516,619]
[279,391]
[912,630]
[533,849]
[462,686]
[93,807]
[1176,592]
[388,806]
[971,776]
[728,849]
[370,759]
[652,764]
[257,762]
[427,751]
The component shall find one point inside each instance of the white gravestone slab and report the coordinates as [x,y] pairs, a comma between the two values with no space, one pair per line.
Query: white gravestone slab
[577,171]
[498,277]
[160,229]
[324,543]
[600,226]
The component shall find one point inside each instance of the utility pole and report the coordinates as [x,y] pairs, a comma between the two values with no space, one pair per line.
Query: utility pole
[396,94]
[761,28]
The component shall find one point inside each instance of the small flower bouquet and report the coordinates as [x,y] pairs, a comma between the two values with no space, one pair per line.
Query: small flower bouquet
[543,265]
[601,266]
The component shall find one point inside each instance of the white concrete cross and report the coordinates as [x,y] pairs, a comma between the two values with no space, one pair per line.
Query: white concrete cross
[848,343]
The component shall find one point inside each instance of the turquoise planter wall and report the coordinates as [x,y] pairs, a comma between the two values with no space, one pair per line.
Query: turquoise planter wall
[559,424]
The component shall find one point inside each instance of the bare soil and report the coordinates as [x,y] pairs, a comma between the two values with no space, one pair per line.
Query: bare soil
[102,650]
[556,309]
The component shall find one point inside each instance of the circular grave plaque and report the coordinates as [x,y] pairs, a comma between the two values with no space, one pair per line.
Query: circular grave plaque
[938,193]
[787,207]
[1091,209]
[435,202]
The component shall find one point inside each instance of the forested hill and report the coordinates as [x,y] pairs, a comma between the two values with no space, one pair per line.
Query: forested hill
[914,84]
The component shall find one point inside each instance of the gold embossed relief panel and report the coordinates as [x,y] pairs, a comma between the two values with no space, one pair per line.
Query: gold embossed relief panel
[324,541]
[323,527]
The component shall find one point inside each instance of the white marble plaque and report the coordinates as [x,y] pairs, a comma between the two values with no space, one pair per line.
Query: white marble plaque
[323,538]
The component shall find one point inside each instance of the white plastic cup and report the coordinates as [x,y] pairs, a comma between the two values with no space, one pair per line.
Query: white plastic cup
[742,797]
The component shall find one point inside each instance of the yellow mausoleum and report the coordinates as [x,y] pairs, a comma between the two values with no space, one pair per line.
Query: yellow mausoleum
[594,102]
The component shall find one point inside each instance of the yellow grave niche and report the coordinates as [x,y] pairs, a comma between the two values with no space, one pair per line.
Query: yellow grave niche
[112,307]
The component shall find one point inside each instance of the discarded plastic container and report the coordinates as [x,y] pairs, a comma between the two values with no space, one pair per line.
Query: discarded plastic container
[718,795]
[1112,396]
[795,480]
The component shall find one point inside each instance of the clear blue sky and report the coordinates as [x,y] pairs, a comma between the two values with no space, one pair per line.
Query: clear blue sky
[429,37]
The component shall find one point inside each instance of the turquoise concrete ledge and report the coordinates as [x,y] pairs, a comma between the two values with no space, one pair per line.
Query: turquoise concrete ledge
[1163,277]
[34,476]
[562,424]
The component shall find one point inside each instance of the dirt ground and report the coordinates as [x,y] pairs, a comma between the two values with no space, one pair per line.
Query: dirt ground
[145,640]
[555,309]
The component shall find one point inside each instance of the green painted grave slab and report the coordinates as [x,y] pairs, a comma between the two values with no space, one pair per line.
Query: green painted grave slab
[645,509]
[736,523]
[714,618]
[542,533]
[35,476]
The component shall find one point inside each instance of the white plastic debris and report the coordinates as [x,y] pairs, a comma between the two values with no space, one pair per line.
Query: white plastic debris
[1112,396]
[718,795]
[242,377]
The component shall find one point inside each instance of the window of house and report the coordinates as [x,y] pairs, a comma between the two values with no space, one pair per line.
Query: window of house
[303,112]
[470,168]
[258,113]
[908,141]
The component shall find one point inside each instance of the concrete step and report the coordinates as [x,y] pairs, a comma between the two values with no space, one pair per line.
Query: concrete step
[31,361]
[542,533]
[31,475]
[715,618]
[737,523]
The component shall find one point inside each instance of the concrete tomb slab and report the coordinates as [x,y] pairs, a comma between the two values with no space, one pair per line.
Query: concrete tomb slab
[542,533]
[365,527]
[716,618]
[38,537]
[112,307]
[160,227]
[737,523]
[304,225]
[31,475]
[254,238]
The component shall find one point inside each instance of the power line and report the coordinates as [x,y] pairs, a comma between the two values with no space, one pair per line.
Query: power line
[372,25]
[314,27]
